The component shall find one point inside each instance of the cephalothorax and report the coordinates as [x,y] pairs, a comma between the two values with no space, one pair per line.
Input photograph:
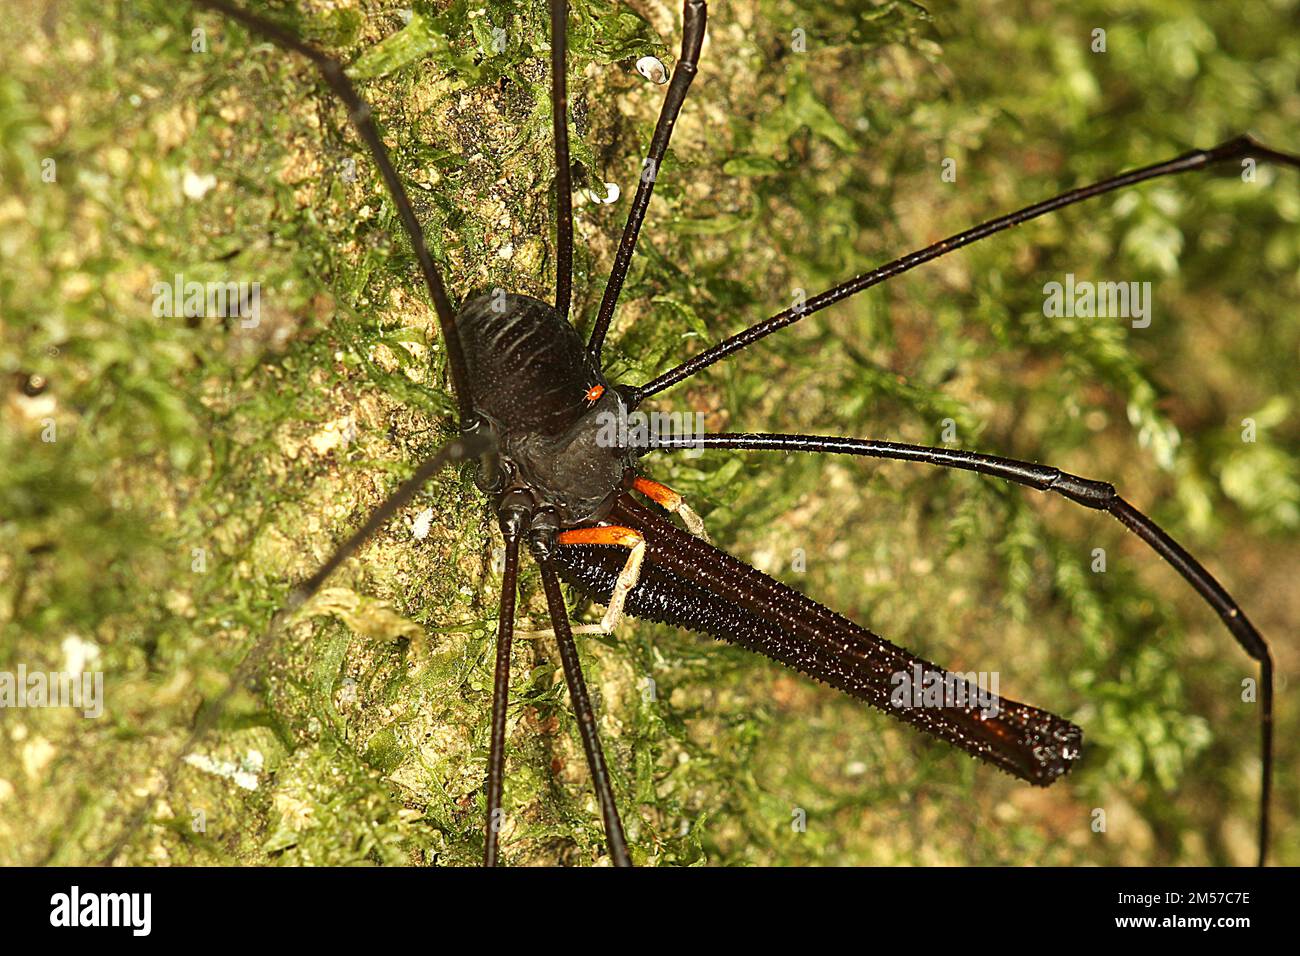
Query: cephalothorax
[533,403]
[537,391]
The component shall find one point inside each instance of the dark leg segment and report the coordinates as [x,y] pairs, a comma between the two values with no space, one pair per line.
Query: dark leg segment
[1234,149]
[695,15]
[690,584]
[585,715]
[359,114]
[1085,491]
[501,692]
[560,132]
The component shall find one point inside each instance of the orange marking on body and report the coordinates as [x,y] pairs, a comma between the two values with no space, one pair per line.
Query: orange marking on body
[660,494]
[609,534]
[595,392]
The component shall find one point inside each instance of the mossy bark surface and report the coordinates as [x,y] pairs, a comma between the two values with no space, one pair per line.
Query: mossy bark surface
[199,466]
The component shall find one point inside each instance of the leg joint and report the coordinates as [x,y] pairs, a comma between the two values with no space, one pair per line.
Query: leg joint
[1091,494]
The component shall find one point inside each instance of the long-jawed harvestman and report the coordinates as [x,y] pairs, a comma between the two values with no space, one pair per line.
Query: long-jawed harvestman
[533,403]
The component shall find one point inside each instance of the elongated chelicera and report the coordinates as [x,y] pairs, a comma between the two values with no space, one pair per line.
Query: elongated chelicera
[534,401]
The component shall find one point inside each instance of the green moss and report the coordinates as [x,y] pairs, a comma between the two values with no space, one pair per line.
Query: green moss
[200,467]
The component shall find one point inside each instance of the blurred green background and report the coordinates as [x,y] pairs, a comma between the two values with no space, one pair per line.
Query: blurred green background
[201,467]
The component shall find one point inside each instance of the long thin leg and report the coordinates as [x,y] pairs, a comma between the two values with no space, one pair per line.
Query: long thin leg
[1085,491]
[359,113]
[1233,149]
[586,717]
[501,694]
[460,449]
[560,128]
[695,15]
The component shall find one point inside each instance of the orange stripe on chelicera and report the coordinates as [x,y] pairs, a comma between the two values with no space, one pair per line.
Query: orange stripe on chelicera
[611,534]
[660,494]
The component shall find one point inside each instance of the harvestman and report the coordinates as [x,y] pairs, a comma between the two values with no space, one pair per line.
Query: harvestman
[531,397]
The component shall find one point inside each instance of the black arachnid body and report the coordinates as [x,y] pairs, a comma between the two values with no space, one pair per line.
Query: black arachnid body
[534,409]
[536,389]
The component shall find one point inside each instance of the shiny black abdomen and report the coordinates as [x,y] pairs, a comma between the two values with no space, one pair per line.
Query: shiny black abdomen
[528,367]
